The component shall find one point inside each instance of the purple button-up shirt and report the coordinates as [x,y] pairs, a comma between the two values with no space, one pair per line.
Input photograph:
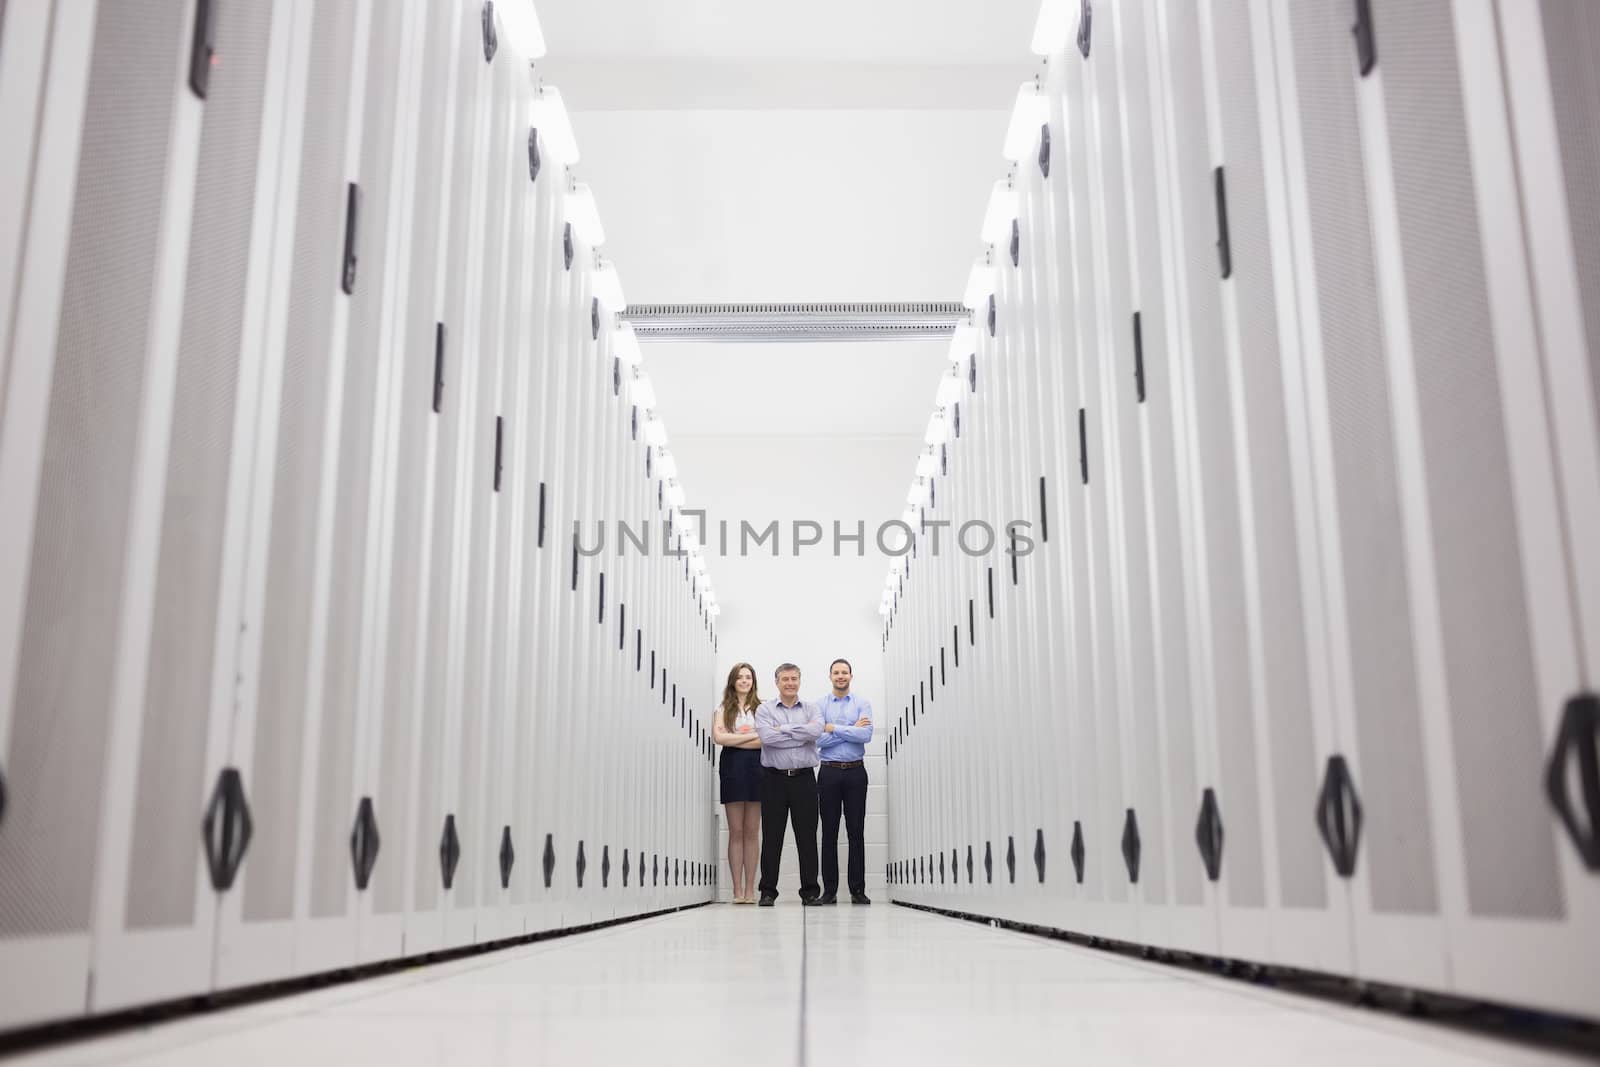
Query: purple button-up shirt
[789,733]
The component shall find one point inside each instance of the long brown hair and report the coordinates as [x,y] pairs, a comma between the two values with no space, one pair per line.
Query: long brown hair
[730,695]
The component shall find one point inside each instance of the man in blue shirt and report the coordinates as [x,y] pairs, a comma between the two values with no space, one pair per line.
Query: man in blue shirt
[842,782]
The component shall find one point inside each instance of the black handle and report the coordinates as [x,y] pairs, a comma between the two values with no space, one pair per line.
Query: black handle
[602,618]
[1076,852]
[626,868]
[566,245]
[1131,849]
[638,650]
[1016,244]
[955,642]
[1224,245]
[574,561]
[535,162]
[622,627]
[1044,512]
[969,864]
[439,335]
[1208,834]
[1085,27]
[605,867]
[594,334]
[226,829]
[352,217]
[364,843]
[972,622]
[541,514]
[499,449]
[1044,150]
[582,864]
[1138,355]
[449,852]
[991,314]
[1011,858]
[1339,816]
[1083,444]
[942,678]
[202,48]
[1038,854]
[988,864]
[1366,43]
[1577,739]
[991,592]
[491,36]
[548,860]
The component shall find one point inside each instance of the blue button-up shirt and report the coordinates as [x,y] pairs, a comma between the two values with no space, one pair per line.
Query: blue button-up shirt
[847,743]
[789,733]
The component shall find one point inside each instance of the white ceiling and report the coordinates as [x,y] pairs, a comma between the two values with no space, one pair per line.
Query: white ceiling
[868,31]
[749,150]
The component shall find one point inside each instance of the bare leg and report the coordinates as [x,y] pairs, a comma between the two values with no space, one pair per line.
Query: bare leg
[736,849]
[752,845]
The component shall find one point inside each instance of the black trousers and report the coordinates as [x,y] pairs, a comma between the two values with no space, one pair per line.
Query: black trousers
[843,788]
[789,799]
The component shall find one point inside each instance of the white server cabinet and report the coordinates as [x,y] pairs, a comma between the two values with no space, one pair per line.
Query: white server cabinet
[90,381]
[1469,857]
[1320,600]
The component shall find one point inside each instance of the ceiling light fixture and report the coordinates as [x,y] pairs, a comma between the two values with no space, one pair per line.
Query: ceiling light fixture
[550,116]
[1030,112]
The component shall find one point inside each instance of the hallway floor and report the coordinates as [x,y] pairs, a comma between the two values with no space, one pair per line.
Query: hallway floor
[831,986]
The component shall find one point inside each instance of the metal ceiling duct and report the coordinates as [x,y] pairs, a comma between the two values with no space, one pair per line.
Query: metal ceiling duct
[764,323]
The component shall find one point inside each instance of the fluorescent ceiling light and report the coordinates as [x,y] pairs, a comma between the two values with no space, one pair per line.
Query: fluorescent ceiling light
[522,26]
[608,288]
[964,342]
[550,116]
[1001,213]
[642,392]
[949,391]
[584,216]
[1031,111]
[980,283]
[626,346]
[1053,29]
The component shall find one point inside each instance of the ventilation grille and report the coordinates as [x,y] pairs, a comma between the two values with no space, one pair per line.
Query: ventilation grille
[794,322]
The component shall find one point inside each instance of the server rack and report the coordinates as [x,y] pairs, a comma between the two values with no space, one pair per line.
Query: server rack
[304,389]
[1289,342]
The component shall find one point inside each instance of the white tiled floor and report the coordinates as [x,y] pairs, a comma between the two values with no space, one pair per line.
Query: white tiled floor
[723,984]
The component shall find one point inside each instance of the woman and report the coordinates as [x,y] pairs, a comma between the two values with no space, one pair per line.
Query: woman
[734,728]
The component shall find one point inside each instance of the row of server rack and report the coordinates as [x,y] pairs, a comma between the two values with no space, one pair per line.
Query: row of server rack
[1289,362]
[305,385]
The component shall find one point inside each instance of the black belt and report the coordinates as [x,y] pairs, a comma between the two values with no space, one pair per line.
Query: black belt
[787,773]
[857,763]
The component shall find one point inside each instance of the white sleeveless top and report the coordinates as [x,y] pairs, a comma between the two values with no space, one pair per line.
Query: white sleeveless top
[744,722]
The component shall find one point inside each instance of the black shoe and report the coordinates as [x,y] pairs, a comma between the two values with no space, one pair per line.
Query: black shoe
[767,900]
[828,898]
[812,902]
[860,898]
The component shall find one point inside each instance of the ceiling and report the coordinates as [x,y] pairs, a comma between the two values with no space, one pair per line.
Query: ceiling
[751,151]
[863,31]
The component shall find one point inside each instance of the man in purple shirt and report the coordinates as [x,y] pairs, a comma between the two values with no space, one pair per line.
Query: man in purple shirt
[789,728]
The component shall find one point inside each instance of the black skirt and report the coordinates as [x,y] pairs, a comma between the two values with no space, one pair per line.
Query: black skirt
[740,771]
